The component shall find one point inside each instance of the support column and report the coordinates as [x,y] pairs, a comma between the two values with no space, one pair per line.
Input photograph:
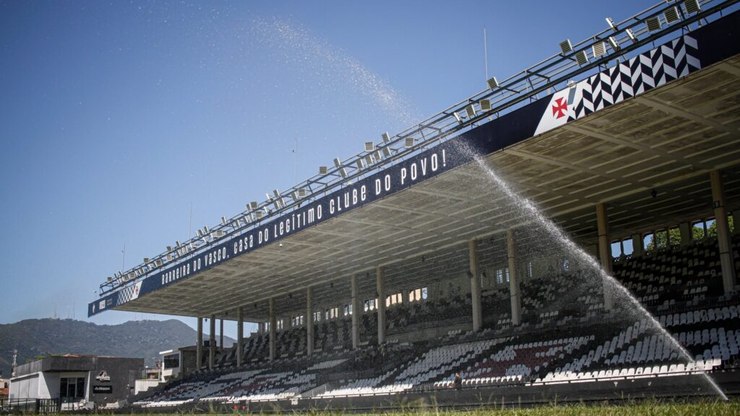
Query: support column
[355,313]
[474,284]
[729,280]
[637,248]
[212,343]
[273,329]
[605,255]
[309,321]
[239,335]
[199,345]
[514,291]
[381,304]
[685,229]
[221,335]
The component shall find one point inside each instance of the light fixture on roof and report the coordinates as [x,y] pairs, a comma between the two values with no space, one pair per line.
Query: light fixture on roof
[169,248]
[369,159]
[338,165]
[223,220]
[611,24]
[260,214]
[301,192]
[653,23]
[369,146]
[386,138]
[323,170]
[457,117]
[485,105]
[470,110]
[360,166]
[581,57]
[146,259]
[158,262]
[566,46]
[492,83]
[599,49]
[692,6]
[386,152]
[253,205]
[409,142]
[630,35]
[671,14]
[614,43]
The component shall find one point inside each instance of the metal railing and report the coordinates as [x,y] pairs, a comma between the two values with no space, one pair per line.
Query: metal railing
[621,40]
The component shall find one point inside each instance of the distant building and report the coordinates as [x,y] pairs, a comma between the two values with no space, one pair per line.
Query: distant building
[77,379]
[4,388]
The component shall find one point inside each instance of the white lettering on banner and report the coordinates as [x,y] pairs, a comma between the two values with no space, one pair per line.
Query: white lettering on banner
[409,172]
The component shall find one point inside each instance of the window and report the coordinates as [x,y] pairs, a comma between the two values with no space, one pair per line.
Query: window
[370,304]
[72,388]
[394,299]
[171,361]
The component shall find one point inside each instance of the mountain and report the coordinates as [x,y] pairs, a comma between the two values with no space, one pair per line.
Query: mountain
[34,338]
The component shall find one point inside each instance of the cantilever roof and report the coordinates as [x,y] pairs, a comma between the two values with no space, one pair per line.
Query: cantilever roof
[666,139]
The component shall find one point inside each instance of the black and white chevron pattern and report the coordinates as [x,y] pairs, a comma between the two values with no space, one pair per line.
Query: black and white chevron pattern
[641,73]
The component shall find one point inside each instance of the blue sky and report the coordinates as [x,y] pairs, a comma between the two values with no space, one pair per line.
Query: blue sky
[133,123]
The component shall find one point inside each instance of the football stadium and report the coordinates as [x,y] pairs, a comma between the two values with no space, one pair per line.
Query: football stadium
[568,234]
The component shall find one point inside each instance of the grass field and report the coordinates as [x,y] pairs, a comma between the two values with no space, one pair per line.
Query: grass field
[708,408]
[645,408]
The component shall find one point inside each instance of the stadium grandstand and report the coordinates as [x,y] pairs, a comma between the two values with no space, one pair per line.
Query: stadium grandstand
[465,259]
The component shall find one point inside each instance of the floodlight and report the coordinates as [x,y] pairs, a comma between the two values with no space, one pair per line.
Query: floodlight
[386,137]
[146,259]
[692,6]
[671,15]
[457,117]
[169,248]
[369,160]
[369,146]
[337,163]
[565,46]
[323,170]
[360,166]
[614,43]
[611,24]
[177,243]
[631,35]
[205,229]
[581,57]
[485,105]
[223,220]
[218,233]
[301,192]
[109,279]
[253,205]
[170,257]
[470,110]
[342,172]
[653,23]
[492,83]
[260,214]
[599,49]
[386,152]
[158,262]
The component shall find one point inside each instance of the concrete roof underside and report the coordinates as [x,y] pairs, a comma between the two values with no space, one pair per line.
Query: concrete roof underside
[666,140]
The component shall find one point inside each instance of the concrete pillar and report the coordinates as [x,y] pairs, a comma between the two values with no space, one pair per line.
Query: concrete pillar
[273,328]
[514,292]
[724,241]
[381,304]
[355,313]
[239,335]
[199,345]
[637,248]
[309,321]
[605,255]
[685,229]
[221,335]
[475,292]
[212,343]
